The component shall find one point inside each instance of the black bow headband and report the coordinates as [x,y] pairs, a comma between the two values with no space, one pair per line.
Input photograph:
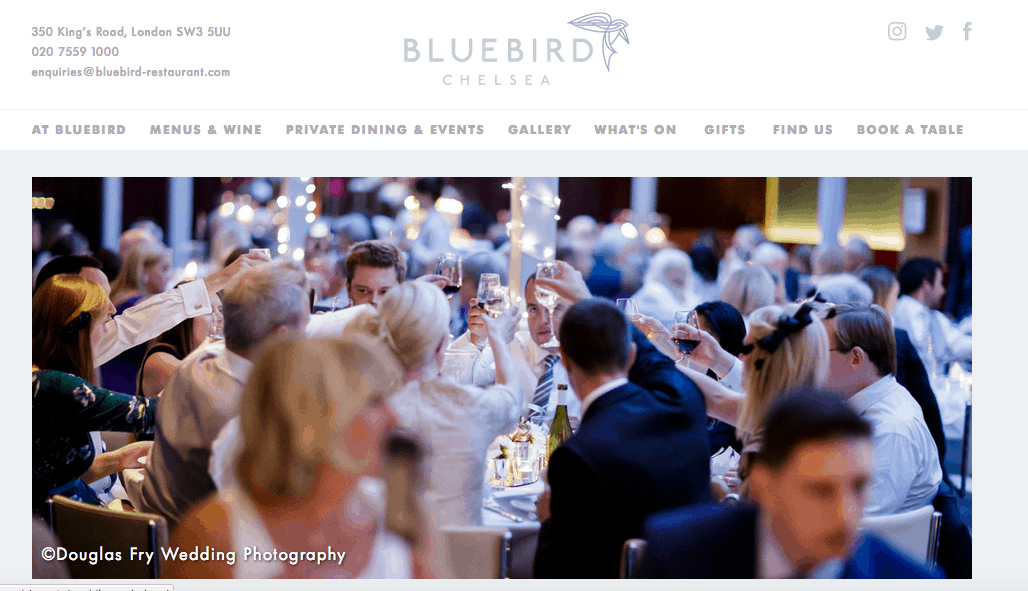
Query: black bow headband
[70,331]
[786,326]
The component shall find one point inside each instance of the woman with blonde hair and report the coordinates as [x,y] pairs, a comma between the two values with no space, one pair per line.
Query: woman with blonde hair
[749,289]
[314,424]
[785,349]
[144,272]
[68,318]
[457,422]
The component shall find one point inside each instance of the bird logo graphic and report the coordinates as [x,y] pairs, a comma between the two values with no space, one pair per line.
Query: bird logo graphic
[600,22]
[934,34]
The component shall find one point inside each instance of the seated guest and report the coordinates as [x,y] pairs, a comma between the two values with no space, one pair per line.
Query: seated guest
[545,363]
[885,288]
[456,421]
[203,393]
[786,349]
[863,364]
[667,286]
[68,317]
[748,289]
[842,288]
[372,267]
[642,446]
[936,337]
[314,426]
[163,357]
[725,324]
[910,372]
[808,484]
[483,368]
[797,275]
[858,253]
[827,260]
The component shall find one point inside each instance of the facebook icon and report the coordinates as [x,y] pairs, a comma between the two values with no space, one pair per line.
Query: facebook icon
[967,31]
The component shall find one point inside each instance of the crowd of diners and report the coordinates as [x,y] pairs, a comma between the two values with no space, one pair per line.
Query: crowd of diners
[259,422]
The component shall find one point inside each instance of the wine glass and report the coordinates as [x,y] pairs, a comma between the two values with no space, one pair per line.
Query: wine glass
[547,299]
[684,344]
[490,294]
[628,306]
[449,266]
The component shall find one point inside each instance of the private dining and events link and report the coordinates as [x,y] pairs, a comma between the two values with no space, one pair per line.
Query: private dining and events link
[172,554]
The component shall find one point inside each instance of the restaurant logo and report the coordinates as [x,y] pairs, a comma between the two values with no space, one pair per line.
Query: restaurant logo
[471,58]
[600,22]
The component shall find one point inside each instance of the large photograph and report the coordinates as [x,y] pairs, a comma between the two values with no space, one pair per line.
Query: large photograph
[519,377]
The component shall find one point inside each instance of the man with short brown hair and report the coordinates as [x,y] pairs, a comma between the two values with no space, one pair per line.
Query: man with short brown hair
[862,364]
[372,267]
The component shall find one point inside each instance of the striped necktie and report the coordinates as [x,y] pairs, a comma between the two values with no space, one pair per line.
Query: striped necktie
[542,391]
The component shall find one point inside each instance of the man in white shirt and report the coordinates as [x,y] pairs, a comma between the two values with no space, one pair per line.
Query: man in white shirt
[862,365]
[937,339]
[546,363]
[205,390]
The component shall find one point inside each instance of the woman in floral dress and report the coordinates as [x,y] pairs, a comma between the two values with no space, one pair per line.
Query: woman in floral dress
[68,318]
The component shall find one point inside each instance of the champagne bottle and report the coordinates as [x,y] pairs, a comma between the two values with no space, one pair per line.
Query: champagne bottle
[560,429]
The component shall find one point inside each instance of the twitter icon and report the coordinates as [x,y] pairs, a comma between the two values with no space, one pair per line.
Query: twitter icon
[935,33]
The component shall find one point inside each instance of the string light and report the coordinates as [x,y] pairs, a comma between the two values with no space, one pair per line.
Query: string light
[191,269]
[283,234]
[298,255]
[283,248]
[310,218]
[310,188]
[246,214]
[227,209]
[300,200]
[311,206]
[282,201]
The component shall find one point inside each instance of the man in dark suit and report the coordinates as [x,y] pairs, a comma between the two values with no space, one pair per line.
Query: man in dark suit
[911,374]
[642,446]
[809,484]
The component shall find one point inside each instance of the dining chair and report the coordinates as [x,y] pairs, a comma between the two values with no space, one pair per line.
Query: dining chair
[478,552]
[85,528]
[632,553]
[914,532]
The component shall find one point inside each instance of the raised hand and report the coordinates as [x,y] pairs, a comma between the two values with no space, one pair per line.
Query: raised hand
[568,284]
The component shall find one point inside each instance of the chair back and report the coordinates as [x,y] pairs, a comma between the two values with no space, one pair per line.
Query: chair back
[85,528]
[478,552]
[632,553]
[914,532]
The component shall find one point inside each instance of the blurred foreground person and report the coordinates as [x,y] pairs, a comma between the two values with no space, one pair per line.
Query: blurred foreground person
[456,421]
[314,423]
[642,446]
[809,485]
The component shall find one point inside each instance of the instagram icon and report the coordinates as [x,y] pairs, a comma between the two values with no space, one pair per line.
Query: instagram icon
[897,31]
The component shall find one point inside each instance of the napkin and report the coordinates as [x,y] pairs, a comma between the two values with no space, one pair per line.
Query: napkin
[724,460]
